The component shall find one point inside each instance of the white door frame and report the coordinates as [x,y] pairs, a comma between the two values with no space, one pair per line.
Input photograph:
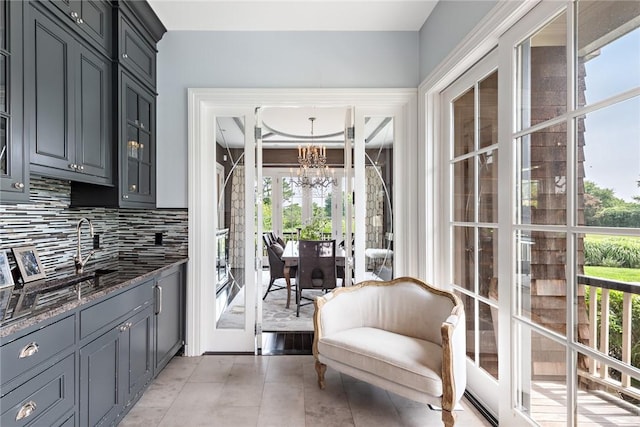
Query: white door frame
[202,104]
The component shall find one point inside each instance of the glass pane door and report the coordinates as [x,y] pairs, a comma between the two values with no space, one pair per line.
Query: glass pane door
[471,106]
[234,247]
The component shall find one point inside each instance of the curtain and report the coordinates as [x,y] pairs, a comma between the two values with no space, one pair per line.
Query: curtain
[236,228]
[375,207]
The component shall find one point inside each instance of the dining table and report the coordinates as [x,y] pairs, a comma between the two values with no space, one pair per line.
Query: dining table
[290,258]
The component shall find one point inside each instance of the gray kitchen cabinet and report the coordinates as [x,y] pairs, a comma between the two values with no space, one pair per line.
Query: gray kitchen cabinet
[116,366]
[37,374]
[137,142]
[45,399]
[14,150]
[88,366]
[139,30]
[169,315]
[136,151]
[67,103]
[135,53]
[90,19]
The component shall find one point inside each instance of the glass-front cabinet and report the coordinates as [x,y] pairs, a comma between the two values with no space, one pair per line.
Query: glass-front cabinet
[137,160]
[14,173]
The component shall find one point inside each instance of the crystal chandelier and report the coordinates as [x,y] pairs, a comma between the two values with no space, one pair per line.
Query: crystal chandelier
[313,171]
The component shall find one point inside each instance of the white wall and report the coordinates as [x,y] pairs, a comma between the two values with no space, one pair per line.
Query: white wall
[265,60]
[447,25]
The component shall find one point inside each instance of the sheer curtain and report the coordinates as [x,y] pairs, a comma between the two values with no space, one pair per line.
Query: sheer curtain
[375,208]
[237,226]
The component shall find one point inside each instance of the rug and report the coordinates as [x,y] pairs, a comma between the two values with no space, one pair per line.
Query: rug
[275,316]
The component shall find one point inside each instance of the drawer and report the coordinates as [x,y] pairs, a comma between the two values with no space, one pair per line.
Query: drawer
[38,347]
[102,315]
[43,400]
[136,54]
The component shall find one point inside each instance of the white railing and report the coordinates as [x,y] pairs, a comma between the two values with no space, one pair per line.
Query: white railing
[598,371]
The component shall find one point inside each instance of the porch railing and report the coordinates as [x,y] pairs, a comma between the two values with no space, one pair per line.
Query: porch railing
[599,371]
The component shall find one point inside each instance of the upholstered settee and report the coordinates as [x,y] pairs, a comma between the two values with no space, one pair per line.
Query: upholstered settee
[401,335]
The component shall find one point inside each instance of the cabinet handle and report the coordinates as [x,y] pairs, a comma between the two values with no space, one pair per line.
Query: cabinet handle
[79,21]
[142,125]
[159,299]
[18,185]
[26,410]
[73,166]
[28,350]
[123,327]
[74,15]
[125,56]
[125,196]
[81,167]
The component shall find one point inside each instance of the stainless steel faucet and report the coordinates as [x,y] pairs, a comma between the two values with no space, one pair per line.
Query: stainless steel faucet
[80,263]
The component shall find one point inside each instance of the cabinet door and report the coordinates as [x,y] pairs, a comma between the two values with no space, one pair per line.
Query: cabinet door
[138,178]
[101,368]
[135,53]
[138,353]
[169,317]
[95,21]
[50,67]
[91,19]
[14,156]
[93,112]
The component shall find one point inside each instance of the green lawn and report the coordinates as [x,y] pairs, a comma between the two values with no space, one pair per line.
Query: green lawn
[598,237]
[620,274]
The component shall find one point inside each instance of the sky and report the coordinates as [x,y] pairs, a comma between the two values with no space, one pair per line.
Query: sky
[612,137]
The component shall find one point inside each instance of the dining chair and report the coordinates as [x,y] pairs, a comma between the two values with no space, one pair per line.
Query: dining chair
[316,268]
[276,264]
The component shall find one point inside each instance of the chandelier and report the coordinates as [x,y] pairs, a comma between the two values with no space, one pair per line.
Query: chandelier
[313,171]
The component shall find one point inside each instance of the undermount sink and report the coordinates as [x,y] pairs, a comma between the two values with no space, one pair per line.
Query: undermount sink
[103,271]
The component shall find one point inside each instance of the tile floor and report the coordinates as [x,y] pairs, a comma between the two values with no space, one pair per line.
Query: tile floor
[235,391]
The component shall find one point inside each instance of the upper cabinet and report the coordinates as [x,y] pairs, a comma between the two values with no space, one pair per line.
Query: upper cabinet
[14,156]
[67,102]
[90,19]
[138,31]
[135,53]
[137,118]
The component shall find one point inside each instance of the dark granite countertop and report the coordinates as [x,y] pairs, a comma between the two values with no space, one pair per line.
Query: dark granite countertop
[21,307]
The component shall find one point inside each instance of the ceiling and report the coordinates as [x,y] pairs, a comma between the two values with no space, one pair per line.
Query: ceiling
[293,15]
[288,127]
[284,127]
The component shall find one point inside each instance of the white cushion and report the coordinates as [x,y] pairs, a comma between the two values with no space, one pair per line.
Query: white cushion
[412,362]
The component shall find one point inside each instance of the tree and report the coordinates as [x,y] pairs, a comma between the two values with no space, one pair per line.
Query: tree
[603,208]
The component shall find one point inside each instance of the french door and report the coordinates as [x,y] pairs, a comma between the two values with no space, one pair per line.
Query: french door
[233,315]
[539,162]
[470,153]
[228,178]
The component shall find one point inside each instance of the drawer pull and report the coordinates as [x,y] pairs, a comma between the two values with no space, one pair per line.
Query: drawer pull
[159,299]
[26,410]
[28,350]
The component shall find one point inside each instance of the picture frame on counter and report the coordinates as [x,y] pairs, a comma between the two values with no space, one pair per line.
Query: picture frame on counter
[28,263]
[6,278]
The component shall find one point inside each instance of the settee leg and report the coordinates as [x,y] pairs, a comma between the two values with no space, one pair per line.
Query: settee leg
[448,418]
[320,370]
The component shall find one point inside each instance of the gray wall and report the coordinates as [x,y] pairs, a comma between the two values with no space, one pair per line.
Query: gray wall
[447,25]
[266,60]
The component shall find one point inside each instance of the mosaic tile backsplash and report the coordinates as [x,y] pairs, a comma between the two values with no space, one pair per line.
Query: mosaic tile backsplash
[49,224]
